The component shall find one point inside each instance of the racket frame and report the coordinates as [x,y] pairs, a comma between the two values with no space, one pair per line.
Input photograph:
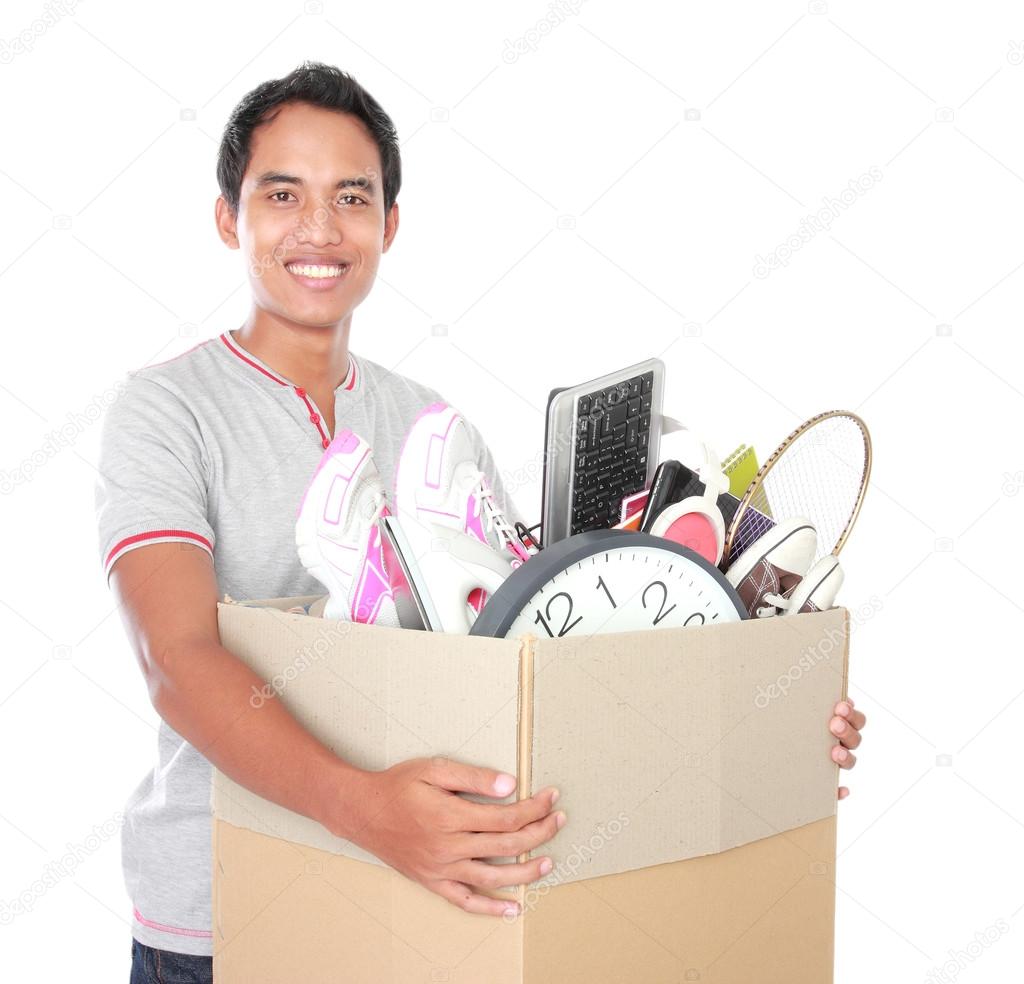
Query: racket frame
[758,480]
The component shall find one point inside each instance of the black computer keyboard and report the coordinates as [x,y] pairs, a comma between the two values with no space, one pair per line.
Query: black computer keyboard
[613,437]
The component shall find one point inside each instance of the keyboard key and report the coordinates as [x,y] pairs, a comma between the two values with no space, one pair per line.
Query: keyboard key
[634,386]
[617,415]
[631,432]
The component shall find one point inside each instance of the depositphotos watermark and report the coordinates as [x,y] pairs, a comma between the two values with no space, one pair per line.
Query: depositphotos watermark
[821,651]
[530,39]
[604,834]
[304,659]
[25,40]
[63,437]
[64,867]
[959,960]
[832,206]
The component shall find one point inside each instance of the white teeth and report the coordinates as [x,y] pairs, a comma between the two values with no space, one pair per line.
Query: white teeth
[315,271]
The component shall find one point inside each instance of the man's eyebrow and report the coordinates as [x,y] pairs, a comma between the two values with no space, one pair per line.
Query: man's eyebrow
[279,177]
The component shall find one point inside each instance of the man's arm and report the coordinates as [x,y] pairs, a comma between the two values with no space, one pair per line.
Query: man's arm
[167,595]
[409,815]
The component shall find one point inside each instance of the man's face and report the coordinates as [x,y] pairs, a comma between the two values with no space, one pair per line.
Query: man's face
[311,197]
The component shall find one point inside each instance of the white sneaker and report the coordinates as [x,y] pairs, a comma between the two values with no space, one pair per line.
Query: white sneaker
[817,591]
[769,570]
[337,534]
[438,485]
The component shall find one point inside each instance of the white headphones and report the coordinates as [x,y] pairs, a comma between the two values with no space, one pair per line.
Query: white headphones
[697,522]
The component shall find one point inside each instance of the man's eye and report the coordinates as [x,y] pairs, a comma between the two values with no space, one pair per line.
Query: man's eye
[354,199]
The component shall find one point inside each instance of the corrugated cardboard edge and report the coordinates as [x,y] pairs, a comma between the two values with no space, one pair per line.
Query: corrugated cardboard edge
[524,778]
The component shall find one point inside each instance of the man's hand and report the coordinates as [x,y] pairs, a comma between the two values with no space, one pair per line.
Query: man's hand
[846,725]
[410,817]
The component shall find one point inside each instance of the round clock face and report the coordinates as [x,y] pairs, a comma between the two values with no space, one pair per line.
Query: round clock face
[609,581]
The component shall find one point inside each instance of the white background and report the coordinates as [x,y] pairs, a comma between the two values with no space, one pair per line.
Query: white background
[601,198]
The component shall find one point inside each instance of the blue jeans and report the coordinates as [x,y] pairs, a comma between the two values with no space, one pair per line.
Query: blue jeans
[152,966]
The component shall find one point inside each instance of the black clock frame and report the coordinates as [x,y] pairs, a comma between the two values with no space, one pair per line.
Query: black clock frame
[505,605]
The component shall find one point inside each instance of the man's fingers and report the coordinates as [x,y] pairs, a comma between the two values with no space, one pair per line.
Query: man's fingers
[465,898]
[464,778]
[843,757]
[508,845]
[843,792]
[503,817]
[844,731]
[482,874]
[845,709]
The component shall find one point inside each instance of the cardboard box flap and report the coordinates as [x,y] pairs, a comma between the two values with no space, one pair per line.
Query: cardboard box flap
[370,694]
[744,709]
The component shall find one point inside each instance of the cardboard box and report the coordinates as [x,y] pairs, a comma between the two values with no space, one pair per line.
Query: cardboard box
[695,774]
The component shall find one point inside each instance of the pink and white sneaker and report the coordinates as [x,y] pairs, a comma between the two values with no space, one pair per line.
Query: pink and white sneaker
[337,535]
[437,482]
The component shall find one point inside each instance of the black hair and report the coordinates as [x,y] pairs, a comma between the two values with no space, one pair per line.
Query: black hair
[319,85]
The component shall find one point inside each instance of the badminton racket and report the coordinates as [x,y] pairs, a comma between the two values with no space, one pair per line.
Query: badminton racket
[820,471]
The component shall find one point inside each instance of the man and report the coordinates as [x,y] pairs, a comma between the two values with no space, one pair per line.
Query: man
[204,460]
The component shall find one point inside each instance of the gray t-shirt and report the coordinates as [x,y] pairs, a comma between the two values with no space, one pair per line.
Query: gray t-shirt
[215,448]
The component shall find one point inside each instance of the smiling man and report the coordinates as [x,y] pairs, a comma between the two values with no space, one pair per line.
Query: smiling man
[204,460]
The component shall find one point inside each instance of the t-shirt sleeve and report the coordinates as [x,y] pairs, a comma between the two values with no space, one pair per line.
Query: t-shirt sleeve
[153,473]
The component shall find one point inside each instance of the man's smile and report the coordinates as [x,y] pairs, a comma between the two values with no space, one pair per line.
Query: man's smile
[317,272]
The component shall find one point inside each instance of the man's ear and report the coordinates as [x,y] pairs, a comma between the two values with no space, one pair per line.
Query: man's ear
[227,223]
[390,227]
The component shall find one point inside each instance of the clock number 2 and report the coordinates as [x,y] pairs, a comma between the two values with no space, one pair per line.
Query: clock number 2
[565,625]
[664,597]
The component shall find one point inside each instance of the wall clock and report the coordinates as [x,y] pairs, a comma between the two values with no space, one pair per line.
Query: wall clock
[609,581]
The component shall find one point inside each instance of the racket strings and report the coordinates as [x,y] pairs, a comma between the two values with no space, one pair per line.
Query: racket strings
[819,475]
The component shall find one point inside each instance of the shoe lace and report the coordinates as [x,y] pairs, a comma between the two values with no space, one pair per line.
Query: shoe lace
[775,603]
[377,502]
[484,498]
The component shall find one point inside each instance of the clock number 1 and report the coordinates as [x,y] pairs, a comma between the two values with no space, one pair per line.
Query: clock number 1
[565,625]
[664,597]
[601,584]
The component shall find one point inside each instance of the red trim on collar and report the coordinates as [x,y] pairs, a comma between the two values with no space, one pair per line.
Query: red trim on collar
[227,341]
[350,378]
[314,417]
[350,383]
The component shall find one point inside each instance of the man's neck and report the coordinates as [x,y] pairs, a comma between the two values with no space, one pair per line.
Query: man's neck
[314,358]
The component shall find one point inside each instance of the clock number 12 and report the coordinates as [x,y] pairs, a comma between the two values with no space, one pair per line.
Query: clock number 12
[566,627]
